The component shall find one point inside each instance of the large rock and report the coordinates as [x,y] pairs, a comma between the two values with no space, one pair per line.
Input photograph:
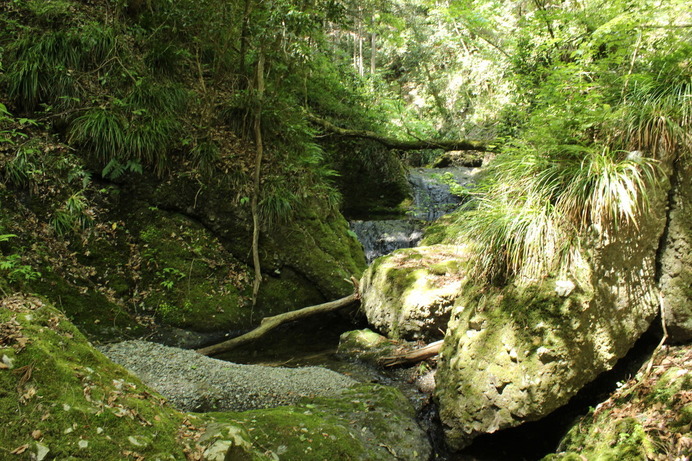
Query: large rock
[409,294]
[305,261]
[515,354]
[676,259]
[366,422]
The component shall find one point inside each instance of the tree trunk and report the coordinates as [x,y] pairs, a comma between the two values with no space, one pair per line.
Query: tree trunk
[269,323]
[244,36]
[259,151]
[417,144]
[373,47]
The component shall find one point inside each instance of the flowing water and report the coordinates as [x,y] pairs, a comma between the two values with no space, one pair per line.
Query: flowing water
[432,197]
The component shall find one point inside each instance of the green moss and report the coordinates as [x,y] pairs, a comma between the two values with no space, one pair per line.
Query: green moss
[365,345]
[645,419]
[320,249]
[189,280]
[363,423]
[285,290]
[62,395]
[98,317]
[297,433]
[444,231]
[623,439]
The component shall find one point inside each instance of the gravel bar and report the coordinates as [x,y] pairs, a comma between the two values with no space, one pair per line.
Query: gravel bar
[193,382]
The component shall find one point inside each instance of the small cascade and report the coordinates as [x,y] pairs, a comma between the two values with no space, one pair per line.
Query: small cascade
[432,198]
[382,237]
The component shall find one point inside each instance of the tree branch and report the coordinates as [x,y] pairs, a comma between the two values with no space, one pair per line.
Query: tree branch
[269,323]
[392,143]
[415,356]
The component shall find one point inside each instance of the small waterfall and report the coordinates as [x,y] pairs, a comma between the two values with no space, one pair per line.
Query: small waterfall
[432,198]
[382,237]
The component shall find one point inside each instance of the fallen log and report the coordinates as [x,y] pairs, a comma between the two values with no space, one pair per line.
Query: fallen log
[269,323]
[393,143]
[415,356]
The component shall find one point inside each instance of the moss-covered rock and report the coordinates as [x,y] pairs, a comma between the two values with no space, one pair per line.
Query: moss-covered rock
[410,293]
[649,417]
[305,261]
[320,248]
[366,422]
[365,345]
[516,353]
[61,399]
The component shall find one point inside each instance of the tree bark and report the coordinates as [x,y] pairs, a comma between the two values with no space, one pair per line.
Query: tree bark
[414,356]
[416,144]
[269,323]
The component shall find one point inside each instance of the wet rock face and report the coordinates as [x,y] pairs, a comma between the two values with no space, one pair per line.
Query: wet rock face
[383,237]
[516,353]
[676,261]
[433,192]
[432,195]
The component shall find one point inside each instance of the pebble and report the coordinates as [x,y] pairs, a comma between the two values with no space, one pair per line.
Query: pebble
[196,383]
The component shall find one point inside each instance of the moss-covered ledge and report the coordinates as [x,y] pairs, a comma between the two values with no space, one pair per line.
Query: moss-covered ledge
[61,399]
[649,417]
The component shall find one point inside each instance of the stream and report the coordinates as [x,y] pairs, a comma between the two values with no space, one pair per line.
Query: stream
[431,198]
[314,341]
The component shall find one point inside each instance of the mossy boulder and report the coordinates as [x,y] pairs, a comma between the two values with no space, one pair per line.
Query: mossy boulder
[61,399]
[365,345]
[649,417]
[410,293]
[516,353]
[305,261]
[318,247]
[365,422]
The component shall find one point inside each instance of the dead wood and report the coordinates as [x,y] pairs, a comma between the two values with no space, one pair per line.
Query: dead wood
[414,356]
[269,323]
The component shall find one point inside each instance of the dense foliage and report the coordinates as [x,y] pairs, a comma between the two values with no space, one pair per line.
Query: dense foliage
[602,107]
[587,99]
